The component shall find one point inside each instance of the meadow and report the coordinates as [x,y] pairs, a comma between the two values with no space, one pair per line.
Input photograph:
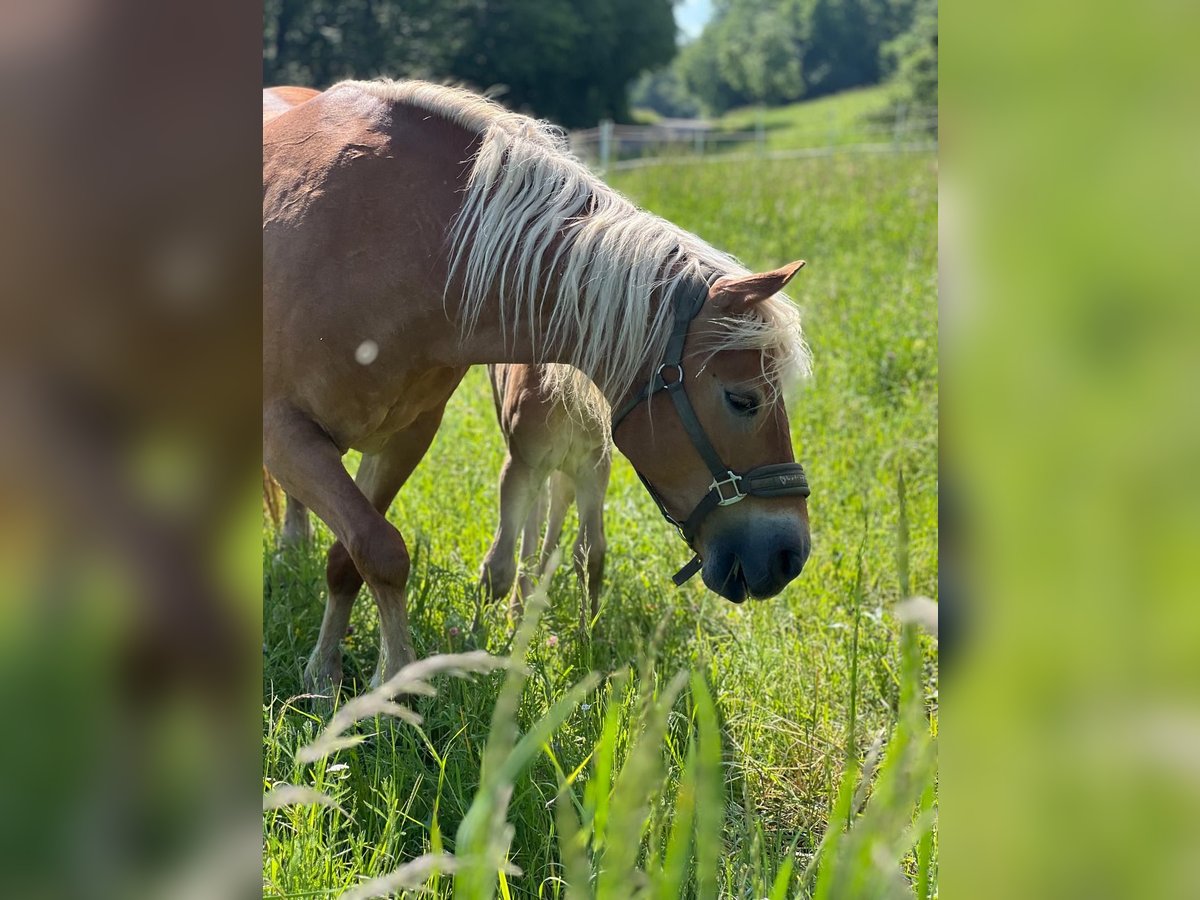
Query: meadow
[865,115]
[860,116]
[707,756]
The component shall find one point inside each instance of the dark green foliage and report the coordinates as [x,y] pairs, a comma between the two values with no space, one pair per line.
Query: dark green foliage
[567,60]
[664,92]
[912,58]
[573,61]
[697,66]
[759,52]
[317,42]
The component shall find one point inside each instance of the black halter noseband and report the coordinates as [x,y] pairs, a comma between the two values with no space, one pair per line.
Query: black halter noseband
[728,487]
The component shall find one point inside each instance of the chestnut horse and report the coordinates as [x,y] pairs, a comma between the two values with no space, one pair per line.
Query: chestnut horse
[555,453]
[411,231]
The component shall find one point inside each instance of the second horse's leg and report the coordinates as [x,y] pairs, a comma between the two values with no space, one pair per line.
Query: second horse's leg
[297,531]
[529,550]
[562,492]
[591,484]
[518,490]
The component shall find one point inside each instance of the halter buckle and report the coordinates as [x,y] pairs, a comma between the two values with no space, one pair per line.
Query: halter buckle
[731,481]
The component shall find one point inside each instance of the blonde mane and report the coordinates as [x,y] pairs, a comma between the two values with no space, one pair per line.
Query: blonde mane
[532,208]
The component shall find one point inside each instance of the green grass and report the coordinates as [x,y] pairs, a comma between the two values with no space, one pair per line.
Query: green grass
[861,115]
[732,803]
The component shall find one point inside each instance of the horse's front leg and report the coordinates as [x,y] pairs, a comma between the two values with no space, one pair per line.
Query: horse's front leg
[309,466]
[380,478]
[519,485]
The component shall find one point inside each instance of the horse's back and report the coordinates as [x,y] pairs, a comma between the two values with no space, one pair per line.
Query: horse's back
[353,178]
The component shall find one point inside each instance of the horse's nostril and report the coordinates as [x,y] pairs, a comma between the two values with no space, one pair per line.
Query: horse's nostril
[787,565]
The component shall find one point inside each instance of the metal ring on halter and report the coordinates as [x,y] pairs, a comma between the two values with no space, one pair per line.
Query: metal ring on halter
[678,367]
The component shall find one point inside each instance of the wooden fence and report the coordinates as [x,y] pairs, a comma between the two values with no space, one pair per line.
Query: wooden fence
[611,146]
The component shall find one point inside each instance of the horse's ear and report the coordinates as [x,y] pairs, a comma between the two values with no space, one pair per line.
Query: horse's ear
[736,293]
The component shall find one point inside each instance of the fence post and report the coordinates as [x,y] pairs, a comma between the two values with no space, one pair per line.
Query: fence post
[899,125]
[606,131]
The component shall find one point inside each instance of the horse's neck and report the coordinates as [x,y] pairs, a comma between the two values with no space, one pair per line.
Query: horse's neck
[507,236]
[493,340]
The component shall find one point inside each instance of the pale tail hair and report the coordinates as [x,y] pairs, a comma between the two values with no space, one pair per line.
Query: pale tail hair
[532,208]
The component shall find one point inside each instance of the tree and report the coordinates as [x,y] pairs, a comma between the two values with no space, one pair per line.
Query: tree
[698,69]
[566,60]
[760,53]
[664,92]
[778,51]
[912,58]
[317,42]
[843,44]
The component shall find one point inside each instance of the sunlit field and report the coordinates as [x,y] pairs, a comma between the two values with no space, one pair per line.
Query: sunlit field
[731,800]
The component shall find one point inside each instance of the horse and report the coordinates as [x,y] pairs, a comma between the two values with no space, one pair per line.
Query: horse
[412,230]
[556,453]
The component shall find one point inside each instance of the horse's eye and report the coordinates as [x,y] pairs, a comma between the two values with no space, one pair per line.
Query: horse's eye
[742,404]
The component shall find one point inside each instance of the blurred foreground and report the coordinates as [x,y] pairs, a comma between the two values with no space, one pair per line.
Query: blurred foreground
[1070,209]
[129,385]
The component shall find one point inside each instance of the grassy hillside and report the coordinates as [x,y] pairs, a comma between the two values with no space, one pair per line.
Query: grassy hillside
[846,118]
[782,672]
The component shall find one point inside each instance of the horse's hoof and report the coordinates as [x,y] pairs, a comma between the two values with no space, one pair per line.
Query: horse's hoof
[384,674]
[496,580]
[323,679]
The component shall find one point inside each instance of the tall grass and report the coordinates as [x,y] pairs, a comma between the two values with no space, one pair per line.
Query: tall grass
[634,831]
[639,827]
[718,750]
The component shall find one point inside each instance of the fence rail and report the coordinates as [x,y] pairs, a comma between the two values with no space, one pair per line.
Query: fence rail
[609,146]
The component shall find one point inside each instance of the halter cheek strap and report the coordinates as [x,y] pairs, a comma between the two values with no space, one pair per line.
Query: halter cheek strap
[728,487]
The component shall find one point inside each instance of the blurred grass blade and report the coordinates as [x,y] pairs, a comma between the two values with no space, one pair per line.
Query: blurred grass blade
[866,860]
[710,792]
[283,795]
[822,861]
[409,877]
[412,679]
[783,878]
[541,731]
[577,872]
[674,873]
[925,846]
[636,785]
[482,840]
[483,837]
[600,784]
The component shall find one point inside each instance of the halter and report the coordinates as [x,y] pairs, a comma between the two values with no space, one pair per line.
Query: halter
[728,487]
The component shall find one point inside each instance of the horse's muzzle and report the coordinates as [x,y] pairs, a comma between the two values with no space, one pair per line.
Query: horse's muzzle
[758,563]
